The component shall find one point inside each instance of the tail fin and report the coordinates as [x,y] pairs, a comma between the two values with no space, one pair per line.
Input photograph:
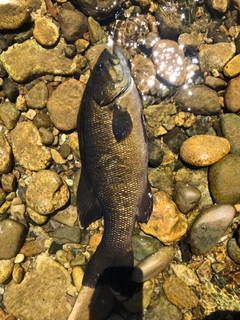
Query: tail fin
[109,266]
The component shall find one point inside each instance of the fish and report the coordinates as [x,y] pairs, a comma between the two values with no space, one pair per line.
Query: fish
[114,155]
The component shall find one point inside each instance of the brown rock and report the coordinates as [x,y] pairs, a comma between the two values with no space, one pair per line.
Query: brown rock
[6,154]
[232,68]
[166,222]
[232,95]
[32,248]
[45,31]
[9,182]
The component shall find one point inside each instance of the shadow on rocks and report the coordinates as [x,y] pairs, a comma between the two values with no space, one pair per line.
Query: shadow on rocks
[224,315]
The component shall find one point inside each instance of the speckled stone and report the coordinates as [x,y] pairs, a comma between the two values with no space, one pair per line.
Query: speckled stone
[9,114]
[166,222]
[179,293]
[209,226]
[37,96]
[184,273]
[27,147]
[46,192]
[6,158]
[224,183]
[6,267]
[165,54]
[204,150]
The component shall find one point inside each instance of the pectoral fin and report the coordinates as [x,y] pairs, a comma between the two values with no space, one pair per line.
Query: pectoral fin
[89,207]
[121,123]
[145,208]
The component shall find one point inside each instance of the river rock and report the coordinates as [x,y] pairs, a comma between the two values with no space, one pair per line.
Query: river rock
[77,275]
[28,60]
[215,83]
[204,150]
[27,147]
[232,68]
[73,24]
[232,95]
[37,96]
[9,114]
[33,247]
[67,216]
[153,265]
[63,105]
[9,182]
[12,236]
[215,56]
[230,127]
[6,154]
[42,291]
[45,31]
[179,293]
[223,180]
[184,273]
[13,14]
[203,100]
[66,234]
[165,54]
[10,89]
[186,196]
[209,226]
[6,268]
[144,246]
[46,192]
[233,250]
[166,223]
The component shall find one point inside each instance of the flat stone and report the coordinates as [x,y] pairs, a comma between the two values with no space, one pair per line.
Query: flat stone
[232,68]
[13,14]
[179,293]
[232,95]
[165,54]
[184,273]
[224,180]
[67,216]
[204,150]
[63,105]
[27,147]
[230,127]
[12,236]
[29,60]
[215,56]
[209,226]
[45,31]
[9,114]
[144,246]
[6,158]
[66,234]
[37,96]
[166,223]
[203,100]
[43,291]
[46,192]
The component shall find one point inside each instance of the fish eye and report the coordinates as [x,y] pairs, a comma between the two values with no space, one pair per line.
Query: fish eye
[99,67]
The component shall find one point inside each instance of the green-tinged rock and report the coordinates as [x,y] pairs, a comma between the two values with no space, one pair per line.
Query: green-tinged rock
[9,114]
[230,126]
[144,246]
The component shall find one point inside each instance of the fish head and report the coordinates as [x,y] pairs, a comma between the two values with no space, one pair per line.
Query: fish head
[111,76]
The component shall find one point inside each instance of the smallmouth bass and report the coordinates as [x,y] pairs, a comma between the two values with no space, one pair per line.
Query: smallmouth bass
[114,155]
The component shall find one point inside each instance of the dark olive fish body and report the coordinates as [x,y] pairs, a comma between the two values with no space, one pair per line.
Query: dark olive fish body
[114,155]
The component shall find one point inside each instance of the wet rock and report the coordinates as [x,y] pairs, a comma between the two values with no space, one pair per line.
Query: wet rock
[12,236]
[191,41]
[63,105]
[47,137]
[10,88]
[179,293]
[96,33]
[155,152]
[223,180]
[166,223]
[9,182]
[161,178]
[73,143]
[232,95]
[143,73]
[144,246]
[45,31]
[35,218]
[77,275]
[42,120]
[2,196]
[174,139]
[215,56]
[184,273]
[9,114]
[67,216]
[33,247]
[209,226]
[215,83]
[18,273]
[73,24]
[29,60]
[27,147]
[66,234]
[95,240]
[6,267]
[141,299]
[230,127]
[48,278]
[97,9]
[232,69]
[37,96]
[203,100]
[204,272]
[13,14]
[65,150]
[233,250]
[204,150]
[46,192]
[220,6]
[6,154]
[153,265]
[165,53]
[186,196]
[57,157]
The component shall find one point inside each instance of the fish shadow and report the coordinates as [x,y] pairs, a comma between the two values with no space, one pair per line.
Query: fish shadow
[117,294]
